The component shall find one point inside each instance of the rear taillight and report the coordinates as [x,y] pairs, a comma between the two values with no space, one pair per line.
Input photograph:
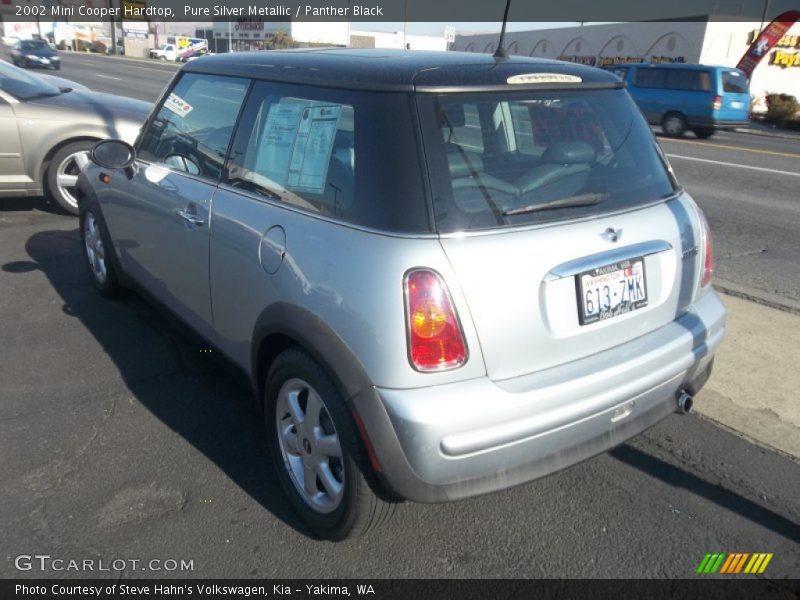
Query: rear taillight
[435,340]
[717,103]
[708,255]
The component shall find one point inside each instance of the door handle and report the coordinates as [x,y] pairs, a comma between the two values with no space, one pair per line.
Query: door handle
[190,217]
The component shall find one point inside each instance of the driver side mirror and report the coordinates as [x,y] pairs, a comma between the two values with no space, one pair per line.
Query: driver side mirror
[113,154]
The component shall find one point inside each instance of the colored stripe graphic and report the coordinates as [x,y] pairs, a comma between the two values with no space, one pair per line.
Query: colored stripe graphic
[727,563]
[740,564]
[703,563]
[734,563]
[764,564]
[715,567]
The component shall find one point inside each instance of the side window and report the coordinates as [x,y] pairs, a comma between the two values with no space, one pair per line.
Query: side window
[682,79]
[193,127]
[734,82]
[650,78]
[299,150]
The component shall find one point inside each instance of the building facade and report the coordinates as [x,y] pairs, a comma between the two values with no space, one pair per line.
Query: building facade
[711,41]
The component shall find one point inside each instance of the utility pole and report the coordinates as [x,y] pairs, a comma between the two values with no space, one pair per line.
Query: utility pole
[405,24]
[113,30]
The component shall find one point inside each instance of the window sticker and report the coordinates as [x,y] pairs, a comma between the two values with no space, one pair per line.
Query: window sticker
[308,169]
[296,145]
[178,105]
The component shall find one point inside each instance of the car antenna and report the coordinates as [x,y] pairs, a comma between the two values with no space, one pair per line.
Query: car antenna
[500,53]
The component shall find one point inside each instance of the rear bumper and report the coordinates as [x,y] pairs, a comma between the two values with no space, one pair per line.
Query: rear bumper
[463,439]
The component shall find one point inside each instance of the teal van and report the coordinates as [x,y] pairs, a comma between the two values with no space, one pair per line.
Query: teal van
[700,98]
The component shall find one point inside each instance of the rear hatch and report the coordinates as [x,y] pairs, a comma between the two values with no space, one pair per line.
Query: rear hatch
[564,226]
[735,95]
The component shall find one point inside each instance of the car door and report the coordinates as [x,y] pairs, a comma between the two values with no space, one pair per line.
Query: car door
[12,177]
[159,214]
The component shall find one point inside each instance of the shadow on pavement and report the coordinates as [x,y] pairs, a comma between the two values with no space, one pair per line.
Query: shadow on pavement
[219,421]
[727,499]
[29,204]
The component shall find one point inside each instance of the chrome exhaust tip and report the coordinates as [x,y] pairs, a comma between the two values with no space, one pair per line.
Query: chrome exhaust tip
[685,402]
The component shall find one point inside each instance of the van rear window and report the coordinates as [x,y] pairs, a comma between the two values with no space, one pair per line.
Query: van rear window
[734,82]
[546,156]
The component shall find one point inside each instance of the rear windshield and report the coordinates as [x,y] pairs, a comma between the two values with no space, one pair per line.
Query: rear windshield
[508,159]
[734,82]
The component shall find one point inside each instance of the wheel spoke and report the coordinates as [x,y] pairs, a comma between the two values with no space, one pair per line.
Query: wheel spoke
[67,180]
[290,438]
[313,409]
[293,404]
[310,481]
[332,487]
[328,445]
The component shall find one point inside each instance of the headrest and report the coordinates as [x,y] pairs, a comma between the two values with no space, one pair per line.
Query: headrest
[464,167]
[452,115]
[568,153]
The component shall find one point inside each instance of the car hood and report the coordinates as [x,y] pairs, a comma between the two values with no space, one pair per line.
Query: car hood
[79,104]
[60,82]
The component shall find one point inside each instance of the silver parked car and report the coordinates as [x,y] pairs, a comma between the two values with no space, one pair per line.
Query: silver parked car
[47,126]
[444,274]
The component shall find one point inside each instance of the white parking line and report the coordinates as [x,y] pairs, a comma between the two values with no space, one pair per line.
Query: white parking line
[107,76]
[727,164]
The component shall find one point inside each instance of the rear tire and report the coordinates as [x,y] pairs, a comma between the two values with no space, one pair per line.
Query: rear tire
[62,175]
[703,133]
[673,125]
[308,424]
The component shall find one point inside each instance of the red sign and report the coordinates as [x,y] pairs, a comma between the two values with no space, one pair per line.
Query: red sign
[771,35]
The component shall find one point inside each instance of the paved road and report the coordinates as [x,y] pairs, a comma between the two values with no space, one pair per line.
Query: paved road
[134,78]
[748,187]
[121,439]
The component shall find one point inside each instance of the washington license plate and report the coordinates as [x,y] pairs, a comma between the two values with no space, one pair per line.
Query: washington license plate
[611,290]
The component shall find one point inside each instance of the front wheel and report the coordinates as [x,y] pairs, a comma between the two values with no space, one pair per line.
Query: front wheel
[62,174]
[97,251]
[317,451]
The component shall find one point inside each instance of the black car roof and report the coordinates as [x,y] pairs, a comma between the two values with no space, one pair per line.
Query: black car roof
[396,70]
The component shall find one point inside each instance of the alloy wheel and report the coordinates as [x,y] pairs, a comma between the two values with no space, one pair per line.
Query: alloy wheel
[310,447]
[67,175]
[95,250]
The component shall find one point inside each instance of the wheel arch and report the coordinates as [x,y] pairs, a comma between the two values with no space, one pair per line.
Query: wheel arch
[48,156]
[281,326]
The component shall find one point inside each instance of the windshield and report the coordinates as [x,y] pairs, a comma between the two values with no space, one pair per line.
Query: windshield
[516,158]
[23,85]
[33,45]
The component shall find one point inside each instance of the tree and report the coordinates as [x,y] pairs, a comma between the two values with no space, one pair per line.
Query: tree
[280,39]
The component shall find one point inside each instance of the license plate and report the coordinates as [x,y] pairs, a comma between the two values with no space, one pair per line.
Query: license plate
[736,104]
[45,61]
[611,290]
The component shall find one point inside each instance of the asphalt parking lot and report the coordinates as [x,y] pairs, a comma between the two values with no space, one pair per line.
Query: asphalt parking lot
[122,438]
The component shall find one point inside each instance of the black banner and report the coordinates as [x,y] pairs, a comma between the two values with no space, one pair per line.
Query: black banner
[441,11]
[402,589]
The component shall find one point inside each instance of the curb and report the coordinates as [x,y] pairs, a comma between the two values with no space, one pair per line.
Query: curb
[757,296]
[775,134]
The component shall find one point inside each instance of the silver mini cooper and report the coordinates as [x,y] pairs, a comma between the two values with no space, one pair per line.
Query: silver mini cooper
[444,274]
